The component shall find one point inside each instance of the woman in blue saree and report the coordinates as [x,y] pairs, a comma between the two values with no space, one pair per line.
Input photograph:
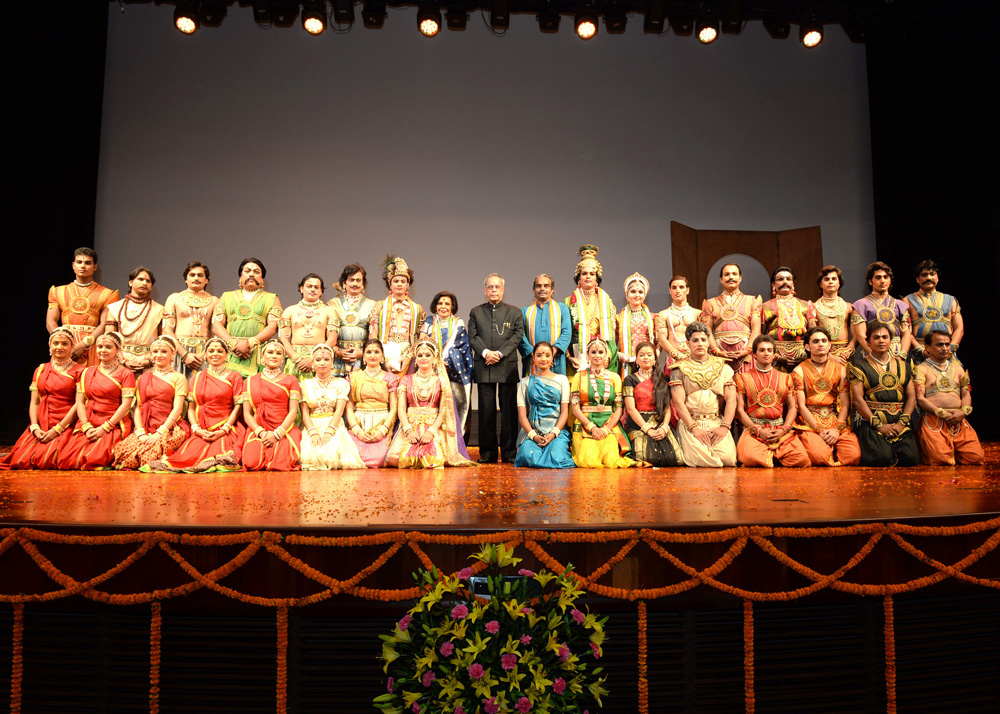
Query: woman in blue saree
[542,411]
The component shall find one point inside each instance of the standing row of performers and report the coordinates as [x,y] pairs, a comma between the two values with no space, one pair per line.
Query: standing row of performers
[246,318]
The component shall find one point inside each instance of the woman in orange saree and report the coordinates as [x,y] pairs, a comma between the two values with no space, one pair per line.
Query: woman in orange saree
[270,404]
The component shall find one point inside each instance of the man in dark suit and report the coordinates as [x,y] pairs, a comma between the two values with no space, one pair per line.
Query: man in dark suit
[495,330]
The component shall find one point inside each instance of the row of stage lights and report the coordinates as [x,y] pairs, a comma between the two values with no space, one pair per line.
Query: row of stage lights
[188,18]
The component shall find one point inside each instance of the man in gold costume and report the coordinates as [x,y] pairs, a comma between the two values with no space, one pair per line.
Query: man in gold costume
[187,316]
[79,306]
[137,318]
[732,318]
[396,321]
[247,317]
[785,318]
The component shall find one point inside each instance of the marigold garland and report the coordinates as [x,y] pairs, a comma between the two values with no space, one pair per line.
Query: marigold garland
[748,657]
[282,654]
[17,659]
[643,681]
[890,655]
[155,626]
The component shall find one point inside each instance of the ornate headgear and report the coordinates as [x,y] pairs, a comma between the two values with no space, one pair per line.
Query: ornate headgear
[636,278]
[393,266]
[219,341]
[115,337]
[168,340]
[61,331]
[427,341]
[588,258]
[599,340]
[321,346]
[272,341]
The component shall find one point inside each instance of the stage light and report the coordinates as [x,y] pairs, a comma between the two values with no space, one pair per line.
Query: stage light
[778,28]
[343,12]
[373,14]
[652,24]
[708,31]
[429,19]
[186,18]
[682,26]
[811,34]
[456,17]
[284,12]
[262,12]
[314,17]
[213,12]
[586,23]
[500,15]
[615,19]
[548,18]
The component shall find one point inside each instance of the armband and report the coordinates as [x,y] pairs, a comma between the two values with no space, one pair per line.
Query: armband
[877,420]
[954,348]
[905,419]
[841,426]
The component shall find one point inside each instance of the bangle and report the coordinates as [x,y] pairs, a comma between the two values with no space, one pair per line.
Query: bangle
[86,425]
[967,410]
[876,420]
[940,412]
[59,428]
[726,425]
[227,427]
[312,431]
[279,433]
[254,342]
[231,343]
[532,434]
[841,426]
[905,419]
[260,432]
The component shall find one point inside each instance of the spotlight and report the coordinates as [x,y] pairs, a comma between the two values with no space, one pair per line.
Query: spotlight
[615,19]
[213,12]
[373,14]
[186,18]
[682,26]
[314,17]
[262,12]
[811,34]
[548,18]
[777,28]
[284,12]
[343,12]
[429,19]
[708,31]
[652,24]
[500,15]
[586,23]
[456,16]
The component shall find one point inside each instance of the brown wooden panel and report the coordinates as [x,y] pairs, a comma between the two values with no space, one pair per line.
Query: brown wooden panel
[684,252]
[801,249]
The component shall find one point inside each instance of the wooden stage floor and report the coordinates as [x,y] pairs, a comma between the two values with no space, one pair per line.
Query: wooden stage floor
[498,497]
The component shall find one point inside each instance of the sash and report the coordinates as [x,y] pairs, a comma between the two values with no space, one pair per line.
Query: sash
[385,319]
[625,328]
[604,306]
[555,324]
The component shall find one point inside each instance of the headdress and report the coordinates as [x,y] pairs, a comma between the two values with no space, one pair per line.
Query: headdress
[588,258]
[219,341]
[321,346]
[61,331]
[427,341]
[274,341]
[115,337]
[393,266]
[636,278]
[168,340]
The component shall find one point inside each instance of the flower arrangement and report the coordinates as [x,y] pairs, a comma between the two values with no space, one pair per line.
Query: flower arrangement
[524,648]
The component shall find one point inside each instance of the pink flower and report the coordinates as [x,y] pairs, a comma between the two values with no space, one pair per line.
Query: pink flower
[490,706]
[459,611]
[459,710]
[476,671]
[525,639]
[596,649]
[559,685]
[465,573]
[493,627]
[508,661]
[523,705]
[428,678]
[388,685]
[416,708]
[526,573]
[563,653]
[525,610]
[446,649]
[405,622]
[578,616]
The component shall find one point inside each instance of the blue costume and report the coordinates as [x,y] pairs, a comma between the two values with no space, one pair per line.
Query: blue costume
[538,328]
[543,398]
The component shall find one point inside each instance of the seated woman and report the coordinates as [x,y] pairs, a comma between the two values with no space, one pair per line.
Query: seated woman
[270,405]
[426,438]
[542,412]
[217,433]
[51,409]
[452,340]
[327,444]
[596,404]
[647,408]
[104,398]
[371,411]
[159,424]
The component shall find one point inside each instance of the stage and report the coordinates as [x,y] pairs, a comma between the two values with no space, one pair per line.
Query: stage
[773,588]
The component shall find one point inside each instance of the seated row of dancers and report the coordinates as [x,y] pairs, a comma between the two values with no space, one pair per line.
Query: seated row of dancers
[102,416]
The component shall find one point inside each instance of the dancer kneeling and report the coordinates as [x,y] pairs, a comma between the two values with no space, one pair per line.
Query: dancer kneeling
[327,444]
[542,412]
[159,426]
[217,434]
[596,404]
[371,411]
[270,404]
[647,408]
[699,385]
[51,409]
[766,408]
[426,438]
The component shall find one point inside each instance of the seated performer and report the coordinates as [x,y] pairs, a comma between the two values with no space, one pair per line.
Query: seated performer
[671,323]
[137,318]
[933,310]
[592,312]
[785,318]
[545,320]
[881,307]
[79,306]
[542,413]
[104,398]
[732,319]
[823,395]
[833,314]
[426,438]
[247,317]
[452,339]
[766,407]
[304,325]
[635,323]
[350,314]
[884,400]
[187,315]
[326,444]
[51,409]
[595,397]
[371,411]
[700,385]
[217,432]
[944,393]
[159,415]
[647,408]
[396,320]
[270,405]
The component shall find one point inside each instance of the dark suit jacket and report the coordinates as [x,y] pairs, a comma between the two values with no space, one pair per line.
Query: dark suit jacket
[495,327]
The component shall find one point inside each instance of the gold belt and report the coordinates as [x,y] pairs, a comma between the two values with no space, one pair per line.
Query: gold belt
[136,349]
[768,422]
[350,343]
[604,408]
[198,343]
[887,407]
[79,328]
[824,411]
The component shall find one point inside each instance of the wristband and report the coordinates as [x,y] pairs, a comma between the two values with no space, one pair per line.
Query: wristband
[59,428]
[231,343]
[941,413]
[532,434]
[876,420]
[279,433]
[726,425]
[253,342]
[86,425]
[967,410]
[841,426]
[88,340]
[260,432]
[905,419]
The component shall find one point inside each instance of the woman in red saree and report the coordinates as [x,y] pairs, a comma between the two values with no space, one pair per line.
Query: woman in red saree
[160,394]
[104,397]
[270,404]
[214,411]
[51,410]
